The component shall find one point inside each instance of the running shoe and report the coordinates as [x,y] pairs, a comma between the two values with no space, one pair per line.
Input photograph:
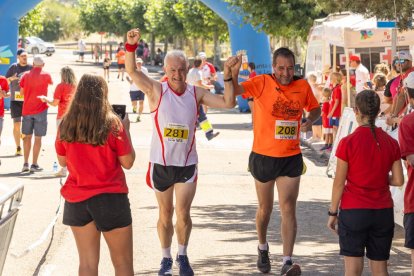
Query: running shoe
[61,173]
[290,269]
[25,167]
[35,168]
[263,261]
[184,266]
[138,119]
[18,151]
[166,267]
[212,135]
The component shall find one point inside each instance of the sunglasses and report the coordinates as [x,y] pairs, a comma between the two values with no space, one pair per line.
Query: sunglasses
[400,61]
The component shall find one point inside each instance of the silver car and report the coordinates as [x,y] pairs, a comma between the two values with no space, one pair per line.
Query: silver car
[35,45]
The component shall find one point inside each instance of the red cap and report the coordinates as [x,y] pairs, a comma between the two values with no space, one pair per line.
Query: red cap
[354,58]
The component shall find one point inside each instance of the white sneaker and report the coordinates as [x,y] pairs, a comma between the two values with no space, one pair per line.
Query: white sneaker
[62,172]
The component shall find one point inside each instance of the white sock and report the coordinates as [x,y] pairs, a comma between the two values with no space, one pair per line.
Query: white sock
[166,252]
[182,249]
[287,258]
[263,246]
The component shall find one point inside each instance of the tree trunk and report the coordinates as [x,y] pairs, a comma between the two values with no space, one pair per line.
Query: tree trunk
[195,46]
[217,50]
[152,46]
[165,45]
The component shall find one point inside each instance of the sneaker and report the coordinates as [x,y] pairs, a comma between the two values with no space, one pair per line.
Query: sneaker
[263,261]
[25,167]
[138,119]
[61,173]
[35,168]
[326,146]
[210,136]
[18,151]
[184,266]
[290,269]
[166,267]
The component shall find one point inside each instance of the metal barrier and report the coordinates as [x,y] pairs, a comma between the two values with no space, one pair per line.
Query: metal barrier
[10,199]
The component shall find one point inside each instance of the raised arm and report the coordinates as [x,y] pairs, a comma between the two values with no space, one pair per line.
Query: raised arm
[145,83]
[228,100]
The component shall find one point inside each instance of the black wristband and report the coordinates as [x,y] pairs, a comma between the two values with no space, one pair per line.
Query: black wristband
[229,79]
[332,214]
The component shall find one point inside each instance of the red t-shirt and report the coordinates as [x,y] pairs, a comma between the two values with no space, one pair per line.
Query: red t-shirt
[64,93]
[336,96]
[121,57]
[4,85]
[94,170]
[406,139]
[325,112]
[252,74]
[34,83]
[367,184]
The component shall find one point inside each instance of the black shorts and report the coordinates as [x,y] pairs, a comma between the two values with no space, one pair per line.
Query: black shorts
[161,177]
[409,230]
[81,54]
[266,168]
[121,66]
[370,229]
[108,211]
[318,122]
[137,95]
[16,108]
[106,67]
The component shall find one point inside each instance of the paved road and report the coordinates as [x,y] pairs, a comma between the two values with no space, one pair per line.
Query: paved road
[223,241]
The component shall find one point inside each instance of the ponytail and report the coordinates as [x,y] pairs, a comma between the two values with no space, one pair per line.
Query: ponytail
[368,104]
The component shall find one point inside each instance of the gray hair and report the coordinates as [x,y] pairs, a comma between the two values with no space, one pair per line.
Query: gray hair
[176,54]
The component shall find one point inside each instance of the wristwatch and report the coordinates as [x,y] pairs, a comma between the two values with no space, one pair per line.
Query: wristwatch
[332,214]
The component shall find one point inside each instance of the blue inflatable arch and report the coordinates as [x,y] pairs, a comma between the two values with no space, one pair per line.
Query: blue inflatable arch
[242,36]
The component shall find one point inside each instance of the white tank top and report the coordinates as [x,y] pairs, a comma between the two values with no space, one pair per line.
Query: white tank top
[174,125]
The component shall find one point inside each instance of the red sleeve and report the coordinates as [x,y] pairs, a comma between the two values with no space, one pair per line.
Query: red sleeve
[120,143]
[253,87]
[311,101]
[341,150]
[22,80]
[211,67]
[59,146]
[406,137]
[58,92]
[4,84]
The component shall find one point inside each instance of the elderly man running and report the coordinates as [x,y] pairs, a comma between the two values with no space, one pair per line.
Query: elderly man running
[173,156]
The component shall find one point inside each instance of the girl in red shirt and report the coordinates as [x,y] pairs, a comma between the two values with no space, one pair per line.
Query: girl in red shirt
[95,145]
[326,127]
[62,98]
[335,106]
[361,190]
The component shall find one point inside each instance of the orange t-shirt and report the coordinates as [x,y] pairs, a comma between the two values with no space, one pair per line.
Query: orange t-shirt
[277,114]
[121,57]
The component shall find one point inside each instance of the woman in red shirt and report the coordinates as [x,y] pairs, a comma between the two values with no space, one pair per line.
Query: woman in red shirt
[94,144]
[62,98]
[361,190]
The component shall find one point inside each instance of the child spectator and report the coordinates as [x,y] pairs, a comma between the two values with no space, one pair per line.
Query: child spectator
[361,193]
[335,105]
[406,139]
[95,149]
[380,81]
[4,88]
[106,64]
[317,92]
[326,127]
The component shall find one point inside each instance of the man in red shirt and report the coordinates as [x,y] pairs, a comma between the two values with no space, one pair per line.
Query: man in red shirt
[406,139]
[34,86]
[4,88]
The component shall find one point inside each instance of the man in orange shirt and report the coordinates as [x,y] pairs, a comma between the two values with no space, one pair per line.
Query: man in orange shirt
[121,62]
[279,101]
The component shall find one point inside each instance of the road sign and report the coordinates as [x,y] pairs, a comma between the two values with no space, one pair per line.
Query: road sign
[386,24]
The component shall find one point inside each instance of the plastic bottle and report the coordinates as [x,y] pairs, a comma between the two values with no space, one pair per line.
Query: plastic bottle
[55,167]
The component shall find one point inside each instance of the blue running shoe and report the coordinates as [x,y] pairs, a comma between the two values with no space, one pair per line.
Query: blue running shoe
[166,267]
[184,265]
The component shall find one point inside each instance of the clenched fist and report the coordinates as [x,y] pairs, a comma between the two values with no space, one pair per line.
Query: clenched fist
[133,36]
[232,67]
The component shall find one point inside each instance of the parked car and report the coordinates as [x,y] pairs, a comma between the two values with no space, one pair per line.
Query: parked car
[35,46]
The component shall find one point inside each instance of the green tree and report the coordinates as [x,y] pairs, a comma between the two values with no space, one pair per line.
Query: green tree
[281,18]
[32,22]
[381,9]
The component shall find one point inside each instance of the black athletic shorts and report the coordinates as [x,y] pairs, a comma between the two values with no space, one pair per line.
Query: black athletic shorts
[108,211]
[409,230]
[16,108]
[161,177]
[266,168]
[366,229]
[121,66]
